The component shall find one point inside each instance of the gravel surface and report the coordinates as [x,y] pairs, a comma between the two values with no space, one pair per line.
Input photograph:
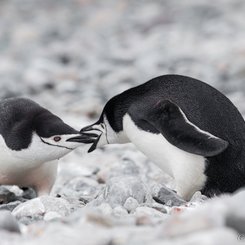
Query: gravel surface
[71,56]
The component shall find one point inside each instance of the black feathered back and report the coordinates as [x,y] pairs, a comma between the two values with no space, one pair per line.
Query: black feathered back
[205,107]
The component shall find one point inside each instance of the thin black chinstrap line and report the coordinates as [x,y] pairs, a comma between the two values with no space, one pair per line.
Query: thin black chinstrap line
[56,145]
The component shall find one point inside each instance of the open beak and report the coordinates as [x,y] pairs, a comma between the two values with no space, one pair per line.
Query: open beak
[97,134]
[85,129]
[86,138]
[92,127]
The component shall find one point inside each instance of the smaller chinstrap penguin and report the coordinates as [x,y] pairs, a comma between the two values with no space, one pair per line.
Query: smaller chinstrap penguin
[31,141]
[188,128]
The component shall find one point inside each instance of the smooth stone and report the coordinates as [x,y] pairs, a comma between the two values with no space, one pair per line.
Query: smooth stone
[85,186]
[53,204]
[15,189]
[198,197]
[168,197]
[148,216]
[119,189]
[81,188]
[105,208]
[126,168]
[131,204]
[51,216]
[8,222]
[10,206]
[29,211]
[35,209]
[28,193]
[159,207]
[146,211]
[119,211]
[6,196]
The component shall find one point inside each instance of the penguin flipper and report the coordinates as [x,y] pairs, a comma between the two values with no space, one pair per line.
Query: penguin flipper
[173,124]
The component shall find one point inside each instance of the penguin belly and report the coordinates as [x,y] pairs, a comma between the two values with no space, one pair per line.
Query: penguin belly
[16,171]
[187,169]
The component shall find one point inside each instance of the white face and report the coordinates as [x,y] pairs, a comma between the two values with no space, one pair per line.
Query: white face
[107,135]
[47,149]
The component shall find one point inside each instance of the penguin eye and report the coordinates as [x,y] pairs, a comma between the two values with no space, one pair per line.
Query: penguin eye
[57,138]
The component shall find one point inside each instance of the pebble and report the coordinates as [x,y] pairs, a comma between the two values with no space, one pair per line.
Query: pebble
[168,197]
[61,54]
[8,222]
[10,206]
[29,211]
[131,204]
[148,216]
[36,209]
[146,211]
[6,196]
[51,216]
[105,208]
[119,189]
[119,211]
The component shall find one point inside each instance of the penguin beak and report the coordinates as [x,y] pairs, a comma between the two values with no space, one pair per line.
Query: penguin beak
[86,138]
[88,128]
[94,127]
[94,145]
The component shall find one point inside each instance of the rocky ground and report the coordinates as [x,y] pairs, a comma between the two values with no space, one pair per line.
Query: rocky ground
[73,55]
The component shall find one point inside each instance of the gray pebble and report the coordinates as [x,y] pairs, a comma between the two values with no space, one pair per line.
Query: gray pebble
[29,211]
[131,204]
[168,197]
[119,211]
[10,206]
[119,189]
[36,209]
[8,222]
[51,216]
[6,196]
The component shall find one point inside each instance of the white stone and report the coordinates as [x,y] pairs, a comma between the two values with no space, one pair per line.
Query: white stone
[131,204]
[51,216]
[30,208]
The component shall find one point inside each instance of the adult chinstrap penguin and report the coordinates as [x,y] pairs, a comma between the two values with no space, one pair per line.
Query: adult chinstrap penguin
[31,141]
[189,129]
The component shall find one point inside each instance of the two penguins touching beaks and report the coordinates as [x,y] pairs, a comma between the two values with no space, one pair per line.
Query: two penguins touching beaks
[189,129]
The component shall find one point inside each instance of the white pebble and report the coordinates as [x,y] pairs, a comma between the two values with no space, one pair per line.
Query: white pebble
[51,215]
[131,204]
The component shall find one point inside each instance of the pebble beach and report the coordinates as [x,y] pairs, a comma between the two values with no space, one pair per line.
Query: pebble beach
[71,56]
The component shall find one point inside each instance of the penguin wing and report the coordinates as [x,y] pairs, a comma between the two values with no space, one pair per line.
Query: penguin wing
[172,123]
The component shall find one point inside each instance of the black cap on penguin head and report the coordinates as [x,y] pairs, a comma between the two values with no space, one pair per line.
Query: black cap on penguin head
[46,124]
[21,118]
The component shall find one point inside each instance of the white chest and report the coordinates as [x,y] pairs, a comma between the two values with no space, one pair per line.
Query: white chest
[12,167]
[187,169]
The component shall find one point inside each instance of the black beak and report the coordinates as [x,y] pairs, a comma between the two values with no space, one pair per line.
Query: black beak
[84,138]
[89,128]
[96,137]
[94,145]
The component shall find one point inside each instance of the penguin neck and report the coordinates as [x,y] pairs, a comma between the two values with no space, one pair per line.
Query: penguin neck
[116,108]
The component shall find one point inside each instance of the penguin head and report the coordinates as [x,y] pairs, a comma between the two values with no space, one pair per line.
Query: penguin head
[109,128]
[102,131]
[33,133]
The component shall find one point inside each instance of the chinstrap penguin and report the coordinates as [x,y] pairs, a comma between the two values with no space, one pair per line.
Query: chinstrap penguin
[31,141]
[189,129]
